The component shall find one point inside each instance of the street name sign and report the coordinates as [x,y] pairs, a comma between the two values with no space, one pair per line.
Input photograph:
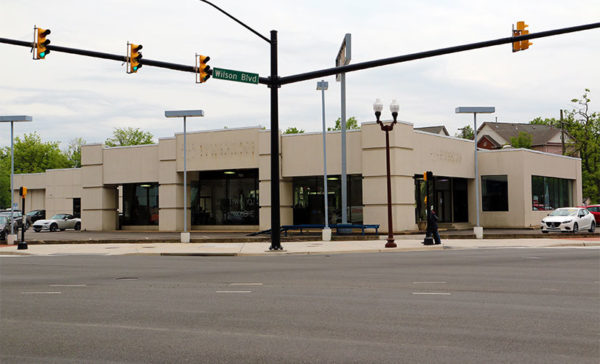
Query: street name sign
[238,76]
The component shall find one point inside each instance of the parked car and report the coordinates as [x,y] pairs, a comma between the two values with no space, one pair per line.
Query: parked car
[36,215]
[17,218]
[4,227]
[58,222]
[570,219]
[594,210]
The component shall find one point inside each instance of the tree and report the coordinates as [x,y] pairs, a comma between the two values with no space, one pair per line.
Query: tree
[583,128]
[465,133]
[74,152]
[129,136]
[31,156]
[521,141]
[293,130]
[351,124]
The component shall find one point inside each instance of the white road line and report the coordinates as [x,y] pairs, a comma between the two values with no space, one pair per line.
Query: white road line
[52,292]
[245,284]
[433,293]
[234,291]
[430,282]
[67,285]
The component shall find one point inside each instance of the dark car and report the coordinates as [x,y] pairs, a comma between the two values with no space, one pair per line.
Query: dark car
[4,227]
[17,218]
[36,215]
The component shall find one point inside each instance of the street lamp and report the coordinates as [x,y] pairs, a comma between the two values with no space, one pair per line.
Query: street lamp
[394,107]
[326,235]
[12,119]
[185,235]
[478,230]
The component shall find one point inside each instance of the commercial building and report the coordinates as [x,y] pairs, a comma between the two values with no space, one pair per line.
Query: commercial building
[141,187]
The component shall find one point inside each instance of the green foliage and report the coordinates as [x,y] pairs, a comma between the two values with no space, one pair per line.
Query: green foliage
[351,124]
[31,156]
[129,136]
[74,152]
[583,127]
[465,133]
[293,130]
[521,141]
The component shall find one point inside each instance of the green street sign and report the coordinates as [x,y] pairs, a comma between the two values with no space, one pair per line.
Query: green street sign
[238,76]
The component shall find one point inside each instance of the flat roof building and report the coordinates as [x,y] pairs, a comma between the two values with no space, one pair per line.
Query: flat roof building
[141,187]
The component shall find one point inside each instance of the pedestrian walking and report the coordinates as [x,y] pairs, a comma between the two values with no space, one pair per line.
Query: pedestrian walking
[432,226]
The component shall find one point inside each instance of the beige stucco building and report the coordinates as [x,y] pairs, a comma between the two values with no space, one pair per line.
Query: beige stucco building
[141,187]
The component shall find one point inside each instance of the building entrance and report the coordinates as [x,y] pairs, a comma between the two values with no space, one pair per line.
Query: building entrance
[447,195]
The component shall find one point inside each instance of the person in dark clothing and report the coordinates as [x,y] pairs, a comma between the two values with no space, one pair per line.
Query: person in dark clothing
[432,226]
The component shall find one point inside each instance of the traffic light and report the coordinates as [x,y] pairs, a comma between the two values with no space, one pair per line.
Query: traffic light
[204,71]
[23,191]
[520,30]
[135,57]
[41,45]
[428,176]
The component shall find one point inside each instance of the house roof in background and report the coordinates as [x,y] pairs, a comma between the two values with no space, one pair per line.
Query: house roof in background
[540,134]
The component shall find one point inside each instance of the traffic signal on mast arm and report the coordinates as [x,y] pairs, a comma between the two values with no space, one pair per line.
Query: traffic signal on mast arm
[135,57]
[520,30]
[204,71]
[41,45]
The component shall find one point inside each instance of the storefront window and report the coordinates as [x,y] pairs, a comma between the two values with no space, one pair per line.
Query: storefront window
[309,206]
[225,198]
[140,204]
[494,193]
[549,193]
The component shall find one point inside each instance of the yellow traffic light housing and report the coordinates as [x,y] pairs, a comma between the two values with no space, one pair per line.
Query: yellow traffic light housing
[135,57]
[23,191]
[520,30]
[203,69]
[41,43]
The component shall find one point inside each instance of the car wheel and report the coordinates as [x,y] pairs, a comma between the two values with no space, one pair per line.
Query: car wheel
[53,227]
[575,228]
[592,227]
[37,230]
[77,226]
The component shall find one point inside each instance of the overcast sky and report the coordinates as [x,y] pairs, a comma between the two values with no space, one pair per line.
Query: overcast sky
[73,96]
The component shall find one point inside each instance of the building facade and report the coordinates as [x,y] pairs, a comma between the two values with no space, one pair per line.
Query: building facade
[141,187]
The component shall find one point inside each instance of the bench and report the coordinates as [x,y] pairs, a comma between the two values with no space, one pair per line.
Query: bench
[362,227]
[337,227]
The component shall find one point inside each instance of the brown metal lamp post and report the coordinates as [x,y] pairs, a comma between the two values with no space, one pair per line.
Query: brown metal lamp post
[394,107]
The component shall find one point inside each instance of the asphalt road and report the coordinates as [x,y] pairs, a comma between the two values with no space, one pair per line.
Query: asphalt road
[468,306]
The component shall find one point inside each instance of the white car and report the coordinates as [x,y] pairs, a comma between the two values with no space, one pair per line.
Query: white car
[58,222]
[570,219]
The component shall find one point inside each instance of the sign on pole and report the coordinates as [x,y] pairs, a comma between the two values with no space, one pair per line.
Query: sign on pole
[237,76]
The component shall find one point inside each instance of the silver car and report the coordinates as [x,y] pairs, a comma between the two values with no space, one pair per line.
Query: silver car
[58,222]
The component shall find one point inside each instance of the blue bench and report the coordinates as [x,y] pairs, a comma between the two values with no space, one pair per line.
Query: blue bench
[337,227]
[362,227]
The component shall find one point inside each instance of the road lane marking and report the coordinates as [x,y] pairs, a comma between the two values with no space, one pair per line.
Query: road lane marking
[432,293]
[430,282]
[234,291]
[68,285]
[51,292]
[245,284]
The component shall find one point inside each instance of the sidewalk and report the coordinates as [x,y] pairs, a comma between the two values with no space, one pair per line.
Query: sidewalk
[298,247]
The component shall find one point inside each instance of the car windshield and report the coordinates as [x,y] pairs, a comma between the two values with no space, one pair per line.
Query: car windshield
[564,212]
[58,217]
[3,219]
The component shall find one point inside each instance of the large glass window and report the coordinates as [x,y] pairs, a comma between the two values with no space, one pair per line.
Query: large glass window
[225,198]
[309,205]
[140,204]
[494,193]
[549,193]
